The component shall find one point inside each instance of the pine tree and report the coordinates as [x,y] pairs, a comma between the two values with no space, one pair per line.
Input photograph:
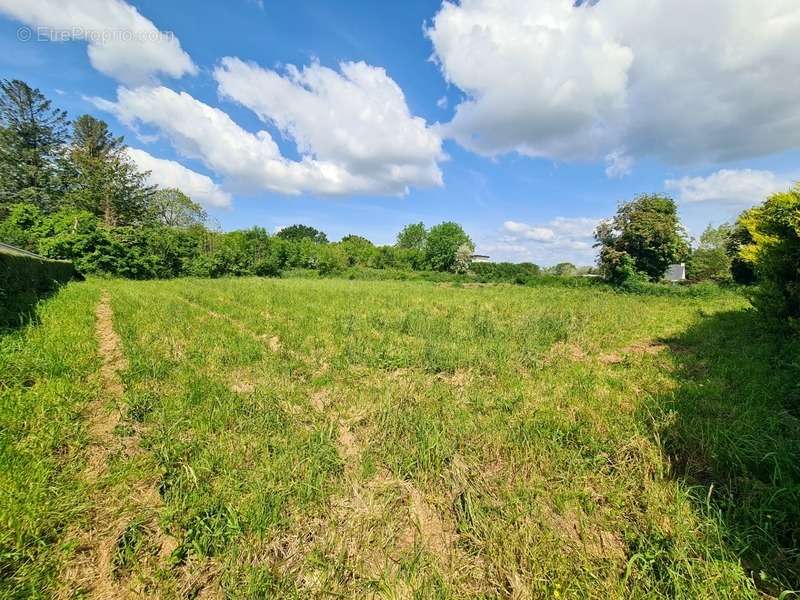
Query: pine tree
[33,137]
[104,180]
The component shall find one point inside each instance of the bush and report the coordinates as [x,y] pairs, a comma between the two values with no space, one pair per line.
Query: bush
[505,272]
[24,279]
[774,228]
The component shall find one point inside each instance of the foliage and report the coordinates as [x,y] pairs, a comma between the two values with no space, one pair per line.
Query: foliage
[564,269]
[33,136]
[295,233]
[774,228]
[710,261]
[172,208]
[412,236]
[25,278]
[103,179]
[506,272]
[442,244]
[463,258]
[358,250]
[742,270]
[645,236]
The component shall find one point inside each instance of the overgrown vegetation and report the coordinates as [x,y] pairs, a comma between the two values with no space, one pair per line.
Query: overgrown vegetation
[773,251]
[401,439]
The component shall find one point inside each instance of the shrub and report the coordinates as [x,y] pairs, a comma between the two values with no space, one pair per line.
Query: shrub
[23,279]
[774,228]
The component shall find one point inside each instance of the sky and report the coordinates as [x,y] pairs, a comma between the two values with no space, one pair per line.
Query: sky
[527,121]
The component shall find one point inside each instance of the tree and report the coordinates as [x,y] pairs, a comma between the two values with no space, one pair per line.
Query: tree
[104,180]
[359,250]
[172,208]
[564,269]
[710,260]
[92,138]
[412,236]
[774,228]
[33,138]
[295,233]
[642,239]
[443,241]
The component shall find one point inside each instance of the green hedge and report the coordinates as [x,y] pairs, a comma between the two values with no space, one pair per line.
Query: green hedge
[24,280]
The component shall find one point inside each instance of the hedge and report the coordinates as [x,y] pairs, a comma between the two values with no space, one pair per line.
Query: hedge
[24,279]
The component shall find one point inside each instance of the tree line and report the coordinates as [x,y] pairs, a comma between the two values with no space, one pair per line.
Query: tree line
[69,190]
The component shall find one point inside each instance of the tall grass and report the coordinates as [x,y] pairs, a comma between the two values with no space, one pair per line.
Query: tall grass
[354,438]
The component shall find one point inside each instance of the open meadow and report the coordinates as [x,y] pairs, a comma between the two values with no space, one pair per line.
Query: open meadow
[299,438]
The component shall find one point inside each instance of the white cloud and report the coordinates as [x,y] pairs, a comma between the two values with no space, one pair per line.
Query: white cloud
[442,102]
[681,80]
[355,119]
[122,43]
[170,174]
[742,188]
[618,164]
[247,161]
[560,239]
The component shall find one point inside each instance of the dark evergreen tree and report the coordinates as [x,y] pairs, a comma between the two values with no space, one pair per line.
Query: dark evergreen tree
[33,138]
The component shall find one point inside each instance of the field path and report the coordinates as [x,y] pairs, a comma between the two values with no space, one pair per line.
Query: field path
[92,570]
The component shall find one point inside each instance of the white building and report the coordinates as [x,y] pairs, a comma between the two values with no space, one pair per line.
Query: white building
[676,272]
[480,258]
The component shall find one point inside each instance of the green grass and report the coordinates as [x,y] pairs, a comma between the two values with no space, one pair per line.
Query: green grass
[335,438]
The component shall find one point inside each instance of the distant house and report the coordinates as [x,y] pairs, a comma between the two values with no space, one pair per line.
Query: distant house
[480,258]
[675,272]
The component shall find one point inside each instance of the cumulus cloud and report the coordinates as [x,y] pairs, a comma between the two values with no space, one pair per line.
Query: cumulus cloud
[122,43]
[247,161]
[560,239]
[171,174]
[673,79]
[743,188]
[355,118]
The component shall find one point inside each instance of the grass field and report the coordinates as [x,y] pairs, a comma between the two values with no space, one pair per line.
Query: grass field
[345,439]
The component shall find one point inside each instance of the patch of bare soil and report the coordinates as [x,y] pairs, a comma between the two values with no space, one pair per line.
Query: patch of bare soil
[319,400]
[566,350]
[612,358]
[646,347]
[593,541]
[458,379]
[433,532]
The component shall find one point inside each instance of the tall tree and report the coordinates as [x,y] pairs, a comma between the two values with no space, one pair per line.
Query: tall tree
[92,137]
[173,208]
[443,243]
[104,180]
[33,137]
[644,237]
[412,236]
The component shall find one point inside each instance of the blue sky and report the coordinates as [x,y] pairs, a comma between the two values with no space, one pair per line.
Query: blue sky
[507,117]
